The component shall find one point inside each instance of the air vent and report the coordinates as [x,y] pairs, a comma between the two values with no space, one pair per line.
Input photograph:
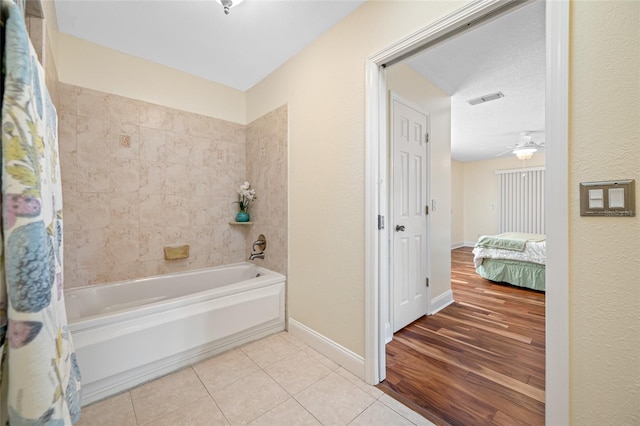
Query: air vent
[486,98]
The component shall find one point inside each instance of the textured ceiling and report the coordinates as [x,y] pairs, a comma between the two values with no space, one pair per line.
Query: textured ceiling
[196,37]
[506,55]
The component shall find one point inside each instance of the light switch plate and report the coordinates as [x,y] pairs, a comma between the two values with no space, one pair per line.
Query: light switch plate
[608,198]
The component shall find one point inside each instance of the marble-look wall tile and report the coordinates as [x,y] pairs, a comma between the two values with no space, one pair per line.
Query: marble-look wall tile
[94,171]
[67,132]
[67,99]
[152,145]
[122,110]
[155,117]
[137,177]
[124,140]
[92,104]
[68,172]
[92,136]
[266,158]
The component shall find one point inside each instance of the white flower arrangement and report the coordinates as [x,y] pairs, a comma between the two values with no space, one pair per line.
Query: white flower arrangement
[247,194]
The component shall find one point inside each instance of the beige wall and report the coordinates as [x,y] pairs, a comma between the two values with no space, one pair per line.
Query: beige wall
[92,66]
[407,83]
[324,86]
[482,195]
[604,131]
[267,172]
[457,203]
[174,185]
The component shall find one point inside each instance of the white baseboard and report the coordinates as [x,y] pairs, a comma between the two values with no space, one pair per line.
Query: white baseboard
[441,302]
[388,333]
[457,245]
[342,356]
[469,243]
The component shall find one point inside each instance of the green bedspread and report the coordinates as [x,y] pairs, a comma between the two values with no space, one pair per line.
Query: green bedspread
[522,274]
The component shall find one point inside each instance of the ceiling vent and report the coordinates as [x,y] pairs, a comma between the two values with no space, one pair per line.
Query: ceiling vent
[486,98]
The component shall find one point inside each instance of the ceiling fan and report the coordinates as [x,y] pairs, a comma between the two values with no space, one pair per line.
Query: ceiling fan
[525,148]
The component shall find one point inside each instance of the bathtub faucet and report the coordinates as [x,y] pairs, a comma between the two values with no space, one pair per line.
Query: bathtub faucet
[257,255]
[258,248]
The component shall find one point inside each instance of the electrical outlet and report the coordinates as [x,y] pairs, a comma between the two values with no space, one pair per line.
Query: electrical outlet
[125,141]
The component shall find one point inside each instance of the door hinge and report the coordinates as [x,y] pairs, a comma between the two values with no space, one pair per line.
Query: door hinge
[426,137]
[427,280]
[426,209]
[380,222]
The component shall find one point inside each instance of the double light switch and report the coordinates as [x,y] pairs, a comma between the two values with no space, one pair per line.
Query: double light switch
[608,198]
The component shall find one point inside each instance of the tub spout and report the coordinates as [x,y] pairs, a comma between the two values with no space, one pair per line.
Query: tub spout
[259,255]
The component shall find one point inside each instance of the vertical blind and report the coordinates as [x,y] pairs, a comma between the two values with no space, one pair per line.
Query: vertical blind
[522,200]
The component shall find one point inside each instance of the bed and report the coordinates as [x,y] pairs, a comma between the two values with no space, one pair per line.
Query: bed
[512,257]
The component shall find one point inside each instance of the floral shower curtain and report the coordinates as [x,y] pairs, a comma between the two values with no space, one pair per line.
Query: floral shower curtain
[39,377]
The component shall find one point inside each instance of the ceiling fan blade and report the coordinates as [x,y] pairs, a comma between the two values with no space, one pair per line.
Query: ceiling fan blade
[505,152]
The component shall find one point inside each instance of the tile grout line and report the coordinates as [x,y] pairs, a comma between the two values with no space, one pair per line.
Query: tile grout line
[133,406]
[292,396]
[209,393]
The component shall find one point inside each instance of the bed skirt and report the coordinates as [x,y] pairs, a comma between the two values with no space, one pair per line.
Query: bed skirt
[522,274]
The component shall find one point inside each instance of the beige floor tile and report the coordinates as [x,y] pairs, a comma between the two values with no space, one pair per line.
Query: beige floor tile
[115,411]
[334,400]
[249,398]
[293,340]
[289,413]
[162,396]
[297,372]
[323,359]
[203,412]
[379,414]
[269,350]
[371,390]
[225,369]
[404,411]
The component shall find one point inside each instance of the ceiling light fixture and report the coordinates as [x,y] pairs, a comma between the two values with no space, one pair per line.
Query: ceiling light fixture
[486,98]
[524,153]
[228,4]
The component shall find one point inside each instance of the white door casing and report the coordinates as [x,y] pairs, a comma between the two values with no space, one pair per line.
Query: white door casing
[408,225]
[557,119]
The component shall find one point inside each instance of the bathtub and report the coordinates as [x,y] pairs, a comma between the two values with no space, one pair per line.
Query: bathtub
[130,332]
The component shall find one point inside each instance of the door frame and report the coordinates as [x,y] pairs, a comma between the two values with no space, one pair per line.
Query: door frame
[556,123]
[388,231]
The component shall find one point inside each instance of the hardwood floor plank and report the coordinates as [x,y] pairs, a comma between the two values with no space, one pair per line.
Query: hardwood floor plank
[479,361]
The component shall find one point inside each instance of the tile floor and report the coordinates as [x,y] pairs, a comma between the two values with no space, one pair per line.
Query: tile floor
[277,380]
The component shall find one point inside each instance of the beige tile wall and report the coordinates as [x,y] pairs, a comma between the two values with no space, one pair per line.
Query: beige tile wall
[267,171]
[173,184]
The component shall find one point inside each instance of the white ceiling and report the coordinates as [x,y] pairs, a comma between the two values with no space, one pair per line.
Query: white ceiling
[239,50]
[506,55]
[196,37]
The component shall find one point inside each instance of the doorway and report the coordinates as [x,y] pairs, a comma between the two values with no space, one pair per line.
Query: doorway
[556,113]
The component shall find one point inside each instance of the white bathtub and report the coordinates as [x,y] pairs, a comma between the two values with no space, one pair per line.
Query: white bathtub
[130,332]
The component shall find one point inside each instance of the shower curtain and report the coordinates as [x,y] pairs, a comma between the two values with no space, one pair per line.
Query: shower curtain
[39,377]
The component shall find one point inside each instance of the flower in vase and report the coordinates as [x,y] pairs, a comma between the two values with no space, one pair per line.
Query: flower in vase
[246,195]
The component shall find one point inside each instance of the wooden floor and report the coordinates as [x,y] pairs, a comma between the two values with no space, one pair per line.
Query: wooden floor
[479,361]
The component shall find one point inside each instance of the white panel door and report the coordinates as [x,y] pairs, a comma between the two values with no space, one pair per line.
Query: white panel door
[409,226]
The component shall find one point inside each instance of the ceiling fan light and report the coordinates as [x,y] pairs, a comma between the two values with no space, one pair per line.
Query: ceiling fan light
[228,4]
[524,153]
